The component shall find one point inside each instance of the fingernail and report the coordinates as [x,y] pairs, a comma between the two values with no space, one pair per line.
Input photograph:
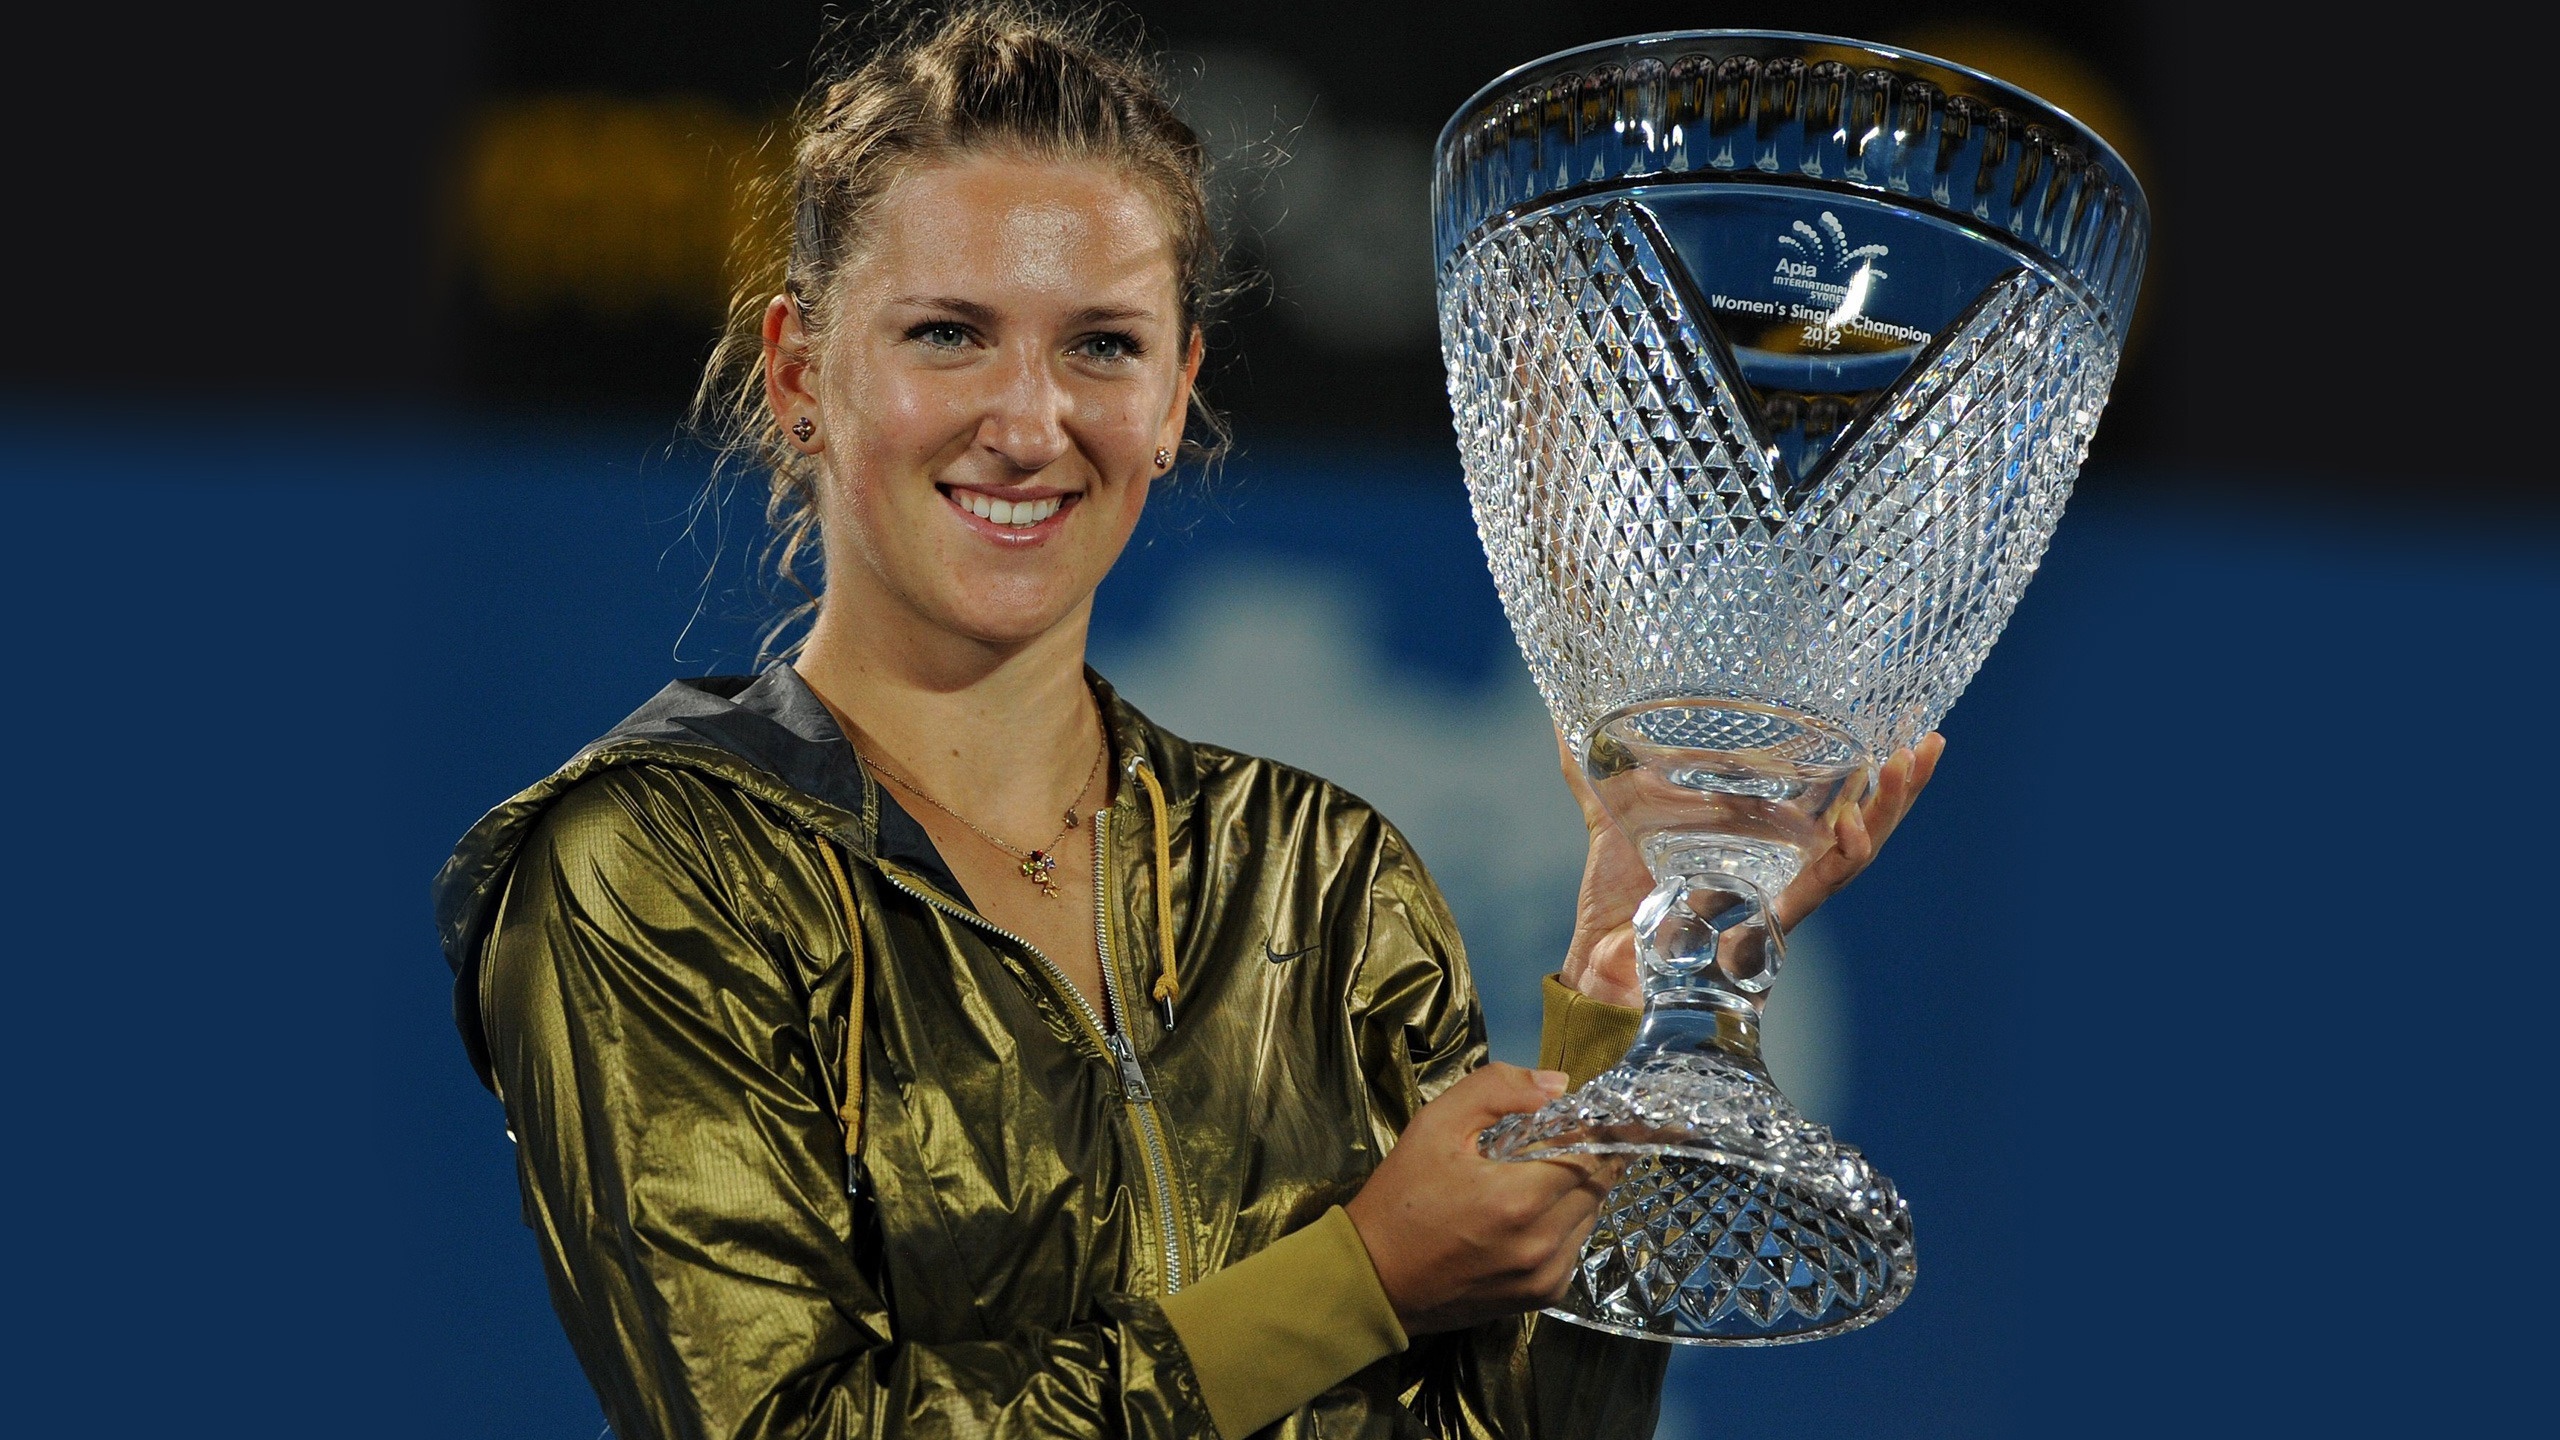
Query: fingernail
[1551,1081]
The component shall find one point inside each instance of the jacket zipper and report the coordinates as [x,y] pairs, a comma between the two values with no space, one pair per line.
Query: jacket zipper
[1133,1080]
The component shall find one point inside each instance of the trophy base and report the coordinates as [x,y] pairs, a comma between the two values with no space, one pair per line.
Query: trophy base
[1739,1223]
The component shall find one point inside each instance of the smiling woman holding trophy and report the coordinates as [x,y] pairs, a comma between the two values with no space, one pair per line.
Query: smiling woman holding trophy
[893,1038]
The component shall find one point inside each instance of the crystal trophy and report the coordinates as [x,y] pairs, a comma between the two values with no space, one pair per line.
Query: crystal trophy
[1773,358]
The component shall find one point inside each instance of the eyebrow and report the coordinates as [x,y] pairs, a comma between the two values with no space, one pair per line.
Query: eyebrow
[1103,314]
[969,310]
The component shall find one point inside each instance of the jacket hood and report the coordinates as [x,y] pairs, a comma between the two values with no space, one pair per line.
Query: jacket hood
[768,735]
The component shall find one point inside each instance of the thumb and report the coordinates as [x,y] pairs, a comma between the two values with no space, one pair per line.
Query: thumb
[1497,1090]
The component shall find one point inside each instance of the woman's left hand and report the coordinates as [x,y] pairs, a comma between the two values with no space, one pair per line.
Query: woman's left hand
[1601,961]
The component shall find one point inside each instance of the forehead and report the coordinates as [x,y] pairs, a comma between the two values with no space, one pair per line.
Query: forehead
[1000,229]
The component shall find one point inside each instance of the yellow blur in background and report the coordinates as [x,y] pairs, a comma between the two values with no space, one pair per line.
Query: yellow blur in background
[617,205]
[612,205]
[2042,69]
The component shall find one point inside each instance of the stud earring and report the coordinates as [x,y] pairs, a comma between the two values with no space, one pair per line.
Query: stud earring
[1164,458]
[803,428]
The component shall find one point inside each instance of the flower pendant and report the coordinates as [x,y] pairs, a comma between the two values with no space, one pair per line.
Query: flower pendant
[1038,868]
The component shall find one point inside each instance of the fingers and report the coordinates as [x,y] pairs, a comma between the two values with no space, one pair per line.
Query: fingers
[1493,1091]
[1537,1185]
[1593,817]
[1606,970]
[1852,843]
[1900,785]
[1557,1196]
[1556,1276]
[1588,1177]
[1594,1176]
[1579,1214]
[1859,833]
[1550,1190]
[1458,1239]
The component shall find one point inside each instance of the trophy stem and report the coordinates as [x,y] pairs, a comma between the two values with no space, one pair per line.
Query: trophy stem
[1740,1222]
[1710,925]
[1707,951]
[1703,1022]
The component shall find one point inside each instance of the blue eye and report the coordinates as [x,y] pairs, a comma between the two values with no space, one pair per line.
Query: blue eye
[1109,345]
[941,334]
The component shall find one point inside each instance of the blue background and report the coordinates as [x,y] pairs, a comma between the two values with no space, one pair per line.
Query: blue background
[2201,1009]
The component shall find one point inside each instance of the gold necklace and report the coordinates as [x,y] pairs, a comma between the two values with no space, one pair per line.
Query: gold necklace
[1037,866]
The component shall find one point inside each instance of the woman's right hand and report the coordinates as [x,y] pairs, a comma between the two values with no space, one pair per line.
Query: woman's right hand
[1459,1239]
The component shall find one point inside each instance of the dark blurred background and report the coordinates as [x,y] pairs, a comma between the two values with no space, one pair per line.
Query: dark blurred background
[2202,1009]
[525,207]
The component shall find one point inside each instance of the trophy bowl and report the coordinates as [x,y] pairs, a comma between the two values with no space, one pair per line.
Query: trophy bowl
[1772,358]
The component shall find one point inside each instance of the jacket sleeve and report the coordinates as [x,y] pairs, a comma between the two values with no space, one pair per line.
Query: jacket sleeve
[1530,1377]
[681,1164]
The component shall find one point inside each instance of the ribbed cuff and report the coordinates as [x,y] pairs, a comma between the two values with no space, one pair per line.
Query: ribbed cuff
[1275,1330]
[1583,1036]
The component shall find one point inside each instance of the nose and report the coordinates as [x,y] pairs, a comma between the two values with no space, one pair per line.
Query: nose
[1026,417]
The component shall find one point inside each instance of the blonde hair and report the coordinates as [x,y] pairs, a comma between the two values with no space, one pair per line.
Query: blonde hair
[999,75]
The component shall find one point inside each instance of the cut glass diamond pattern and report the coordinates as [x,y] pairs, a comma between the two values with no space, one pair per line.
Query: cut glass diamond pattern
[1647,546]
[1758,1221]
[1737,1253]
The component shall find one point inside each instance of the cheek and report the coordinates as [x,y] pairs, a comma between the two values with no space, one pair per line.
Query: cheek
[1127,418]
[1127,503]
[892,423]
[911,408]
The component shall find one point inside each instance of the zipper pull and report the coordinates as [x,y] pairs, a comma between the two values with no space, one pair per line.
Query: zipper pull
[1132,1079]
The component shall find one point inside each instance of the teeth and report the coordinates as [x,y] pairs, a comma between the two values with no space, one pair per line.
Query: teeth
[1008,512]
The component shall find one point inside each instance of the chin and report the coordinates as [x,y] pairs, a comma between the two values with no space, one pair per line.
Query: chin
[1014,614]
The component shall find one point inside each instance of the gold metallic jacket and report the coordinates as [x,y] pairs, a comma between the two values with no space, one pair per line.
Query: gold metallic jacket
[812,1149]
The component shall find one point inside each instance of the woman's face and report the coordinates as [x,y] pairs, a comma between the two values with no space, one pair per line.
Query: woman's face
[1004,359]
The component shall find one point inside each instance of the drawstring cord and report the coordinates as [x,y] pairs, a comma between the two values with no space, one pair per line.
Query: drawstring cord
[849,1106]
[1168,985]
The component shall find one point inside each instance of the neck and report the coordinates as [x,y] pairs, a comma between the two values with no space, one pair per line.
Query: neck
[1000,733]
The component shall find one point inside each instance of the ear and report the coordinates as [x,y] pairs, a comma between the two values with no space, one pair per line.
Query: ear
[1180,413]
[790,371]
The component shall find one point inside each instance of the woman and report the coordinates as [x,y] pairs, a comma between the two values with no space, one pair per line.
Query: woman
[915,1041]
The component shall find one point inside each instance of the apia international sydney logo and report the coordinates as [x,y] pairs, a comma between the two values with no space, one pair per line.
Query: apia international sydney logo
[1822,264]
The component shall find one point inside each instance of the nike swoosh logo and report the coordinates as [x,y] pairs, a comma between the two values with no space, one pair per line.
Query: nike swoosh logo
[1283,957]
